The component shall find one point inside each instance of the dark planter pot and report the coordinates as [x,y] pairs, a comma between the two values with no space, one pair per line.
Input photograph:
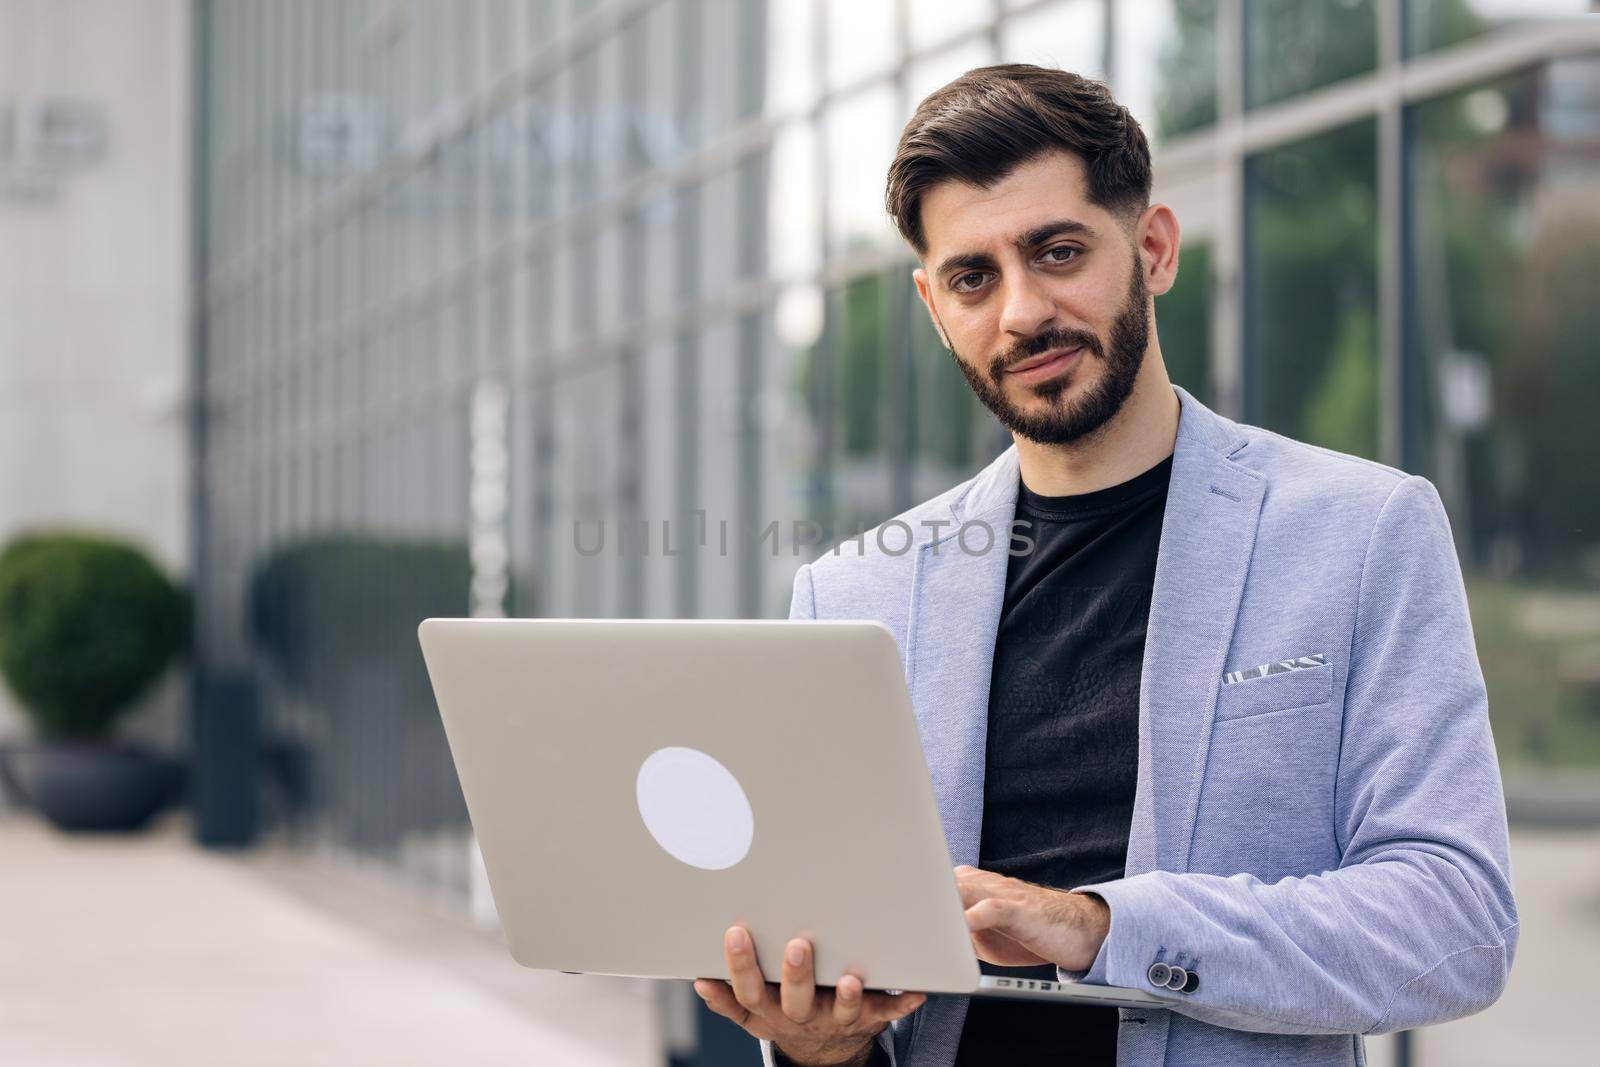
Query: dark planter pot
[83,785]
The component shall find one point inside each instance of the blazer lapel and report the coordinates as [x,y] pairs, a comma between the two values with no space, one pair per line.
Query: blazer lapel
[1207,535]
[954,616]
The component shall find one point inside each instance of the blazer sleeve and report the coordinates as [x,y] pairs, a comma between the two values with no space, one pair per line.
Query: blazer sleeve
[803,605]
[1417,924]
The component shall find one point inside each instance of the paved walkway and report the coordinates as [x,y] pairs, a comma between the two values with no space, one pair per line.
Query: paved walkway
[128,952]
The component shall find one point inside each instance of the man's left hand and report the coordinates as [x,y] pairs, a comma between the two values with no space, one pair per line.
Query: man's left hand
[1019,924]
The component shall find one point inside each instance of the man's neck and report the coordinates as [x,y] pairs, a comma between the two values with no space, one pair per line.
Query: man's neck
[1142,434]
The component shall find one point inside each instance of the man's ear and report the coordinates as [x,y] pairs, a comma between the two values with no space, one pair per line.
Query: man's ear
[920,276]
[1156,239]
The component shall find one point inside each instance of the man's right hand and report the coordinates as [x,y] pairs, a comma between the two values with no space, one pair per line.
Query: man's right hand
[812,1026]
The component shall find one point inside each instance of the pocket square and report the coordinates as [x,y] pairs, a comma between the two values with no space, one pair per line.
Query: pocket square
[1296,664]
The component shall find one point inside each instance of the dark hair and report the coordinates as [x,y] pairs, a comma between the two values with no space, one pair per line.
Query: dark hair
[986,123]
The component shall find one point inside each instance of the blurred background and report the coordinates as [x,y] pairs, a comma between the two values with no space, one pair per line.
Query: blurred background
[335,314]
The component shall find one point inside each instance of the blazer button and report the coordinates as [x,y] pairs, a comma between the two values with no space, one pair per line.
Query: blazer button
[1159,974]
[1192,984]
[1178,979]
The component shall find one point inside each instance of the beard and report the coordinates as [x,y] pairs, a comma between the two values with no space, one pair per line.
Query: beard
[1122,354]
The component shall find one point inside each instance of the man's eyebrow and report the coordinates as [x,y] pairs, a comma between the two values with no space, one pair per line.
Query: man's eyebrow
[1023,242]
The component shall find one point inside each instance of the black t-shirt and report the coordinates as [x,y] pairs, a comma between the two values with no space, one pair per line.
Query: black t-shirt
[1063,743]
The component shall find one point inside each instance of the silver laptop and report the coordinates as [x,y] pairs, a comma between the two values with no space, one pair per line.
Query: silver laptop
[637,786]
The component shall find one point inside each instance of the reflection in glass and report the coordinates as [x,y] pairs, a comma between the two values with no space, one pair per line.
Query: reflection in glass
[1069,35]
[860,40]
[860,133]
[861,361]
[933,24]
[954,433]
[1183,322]
[1167,64]
[794,215]
[1432,24]
[1311,368]
[791,60]
[1503,373]
[1292,46]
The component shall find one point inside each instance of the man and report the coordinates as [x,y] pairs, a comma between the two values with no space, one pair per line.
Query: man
[1218,731]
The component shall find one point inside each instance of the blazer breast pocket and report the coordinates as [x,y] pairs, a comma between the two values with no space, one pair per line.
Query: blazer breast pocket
[1300,687]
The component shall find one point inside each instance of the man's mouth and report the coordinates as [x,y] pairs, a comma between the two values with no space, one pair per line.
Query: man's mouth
[1045,365]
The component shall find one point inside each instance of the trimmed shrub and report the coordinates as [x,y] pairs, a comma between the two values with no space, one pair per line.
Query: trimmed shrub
[87,623]
[331,604]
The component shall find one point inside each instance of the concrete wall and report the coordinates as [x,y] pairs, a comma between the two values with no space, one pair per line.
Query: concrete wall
[93,279]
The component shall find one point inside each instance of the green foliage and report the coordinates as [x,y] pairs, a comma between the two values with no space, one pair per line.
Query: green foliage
[1542,715]
[1293,46]
[1183,321]
[87,623]
[1439,23]
[326,606]
[1549,381]
[1187,97]
[1341,410]
[948,413]
[861,358]
[1312,284]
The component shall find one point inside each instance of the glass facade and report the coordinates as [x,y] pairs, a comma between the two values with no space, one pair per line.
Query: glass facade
[1311,355]
[490,283]
[1503,347]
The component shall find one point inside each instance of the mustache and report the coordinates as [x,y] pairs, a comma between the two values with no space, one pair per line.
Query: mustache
[1042,343]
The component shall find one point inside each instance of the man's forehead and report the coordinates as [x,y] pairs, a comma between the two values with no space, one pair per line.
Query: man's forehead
[958,217]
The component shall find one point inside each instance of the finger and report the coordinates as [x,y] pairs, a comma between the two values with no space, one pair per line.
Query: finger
[974,884]
[1007,933]
[847,1000]
[797,994]
[744,974]
[719,998]
[991,913]
[883,1008]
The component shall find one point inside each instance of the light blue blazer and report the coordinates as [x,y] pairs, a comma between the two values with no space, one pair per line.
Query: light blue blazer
[1325,846]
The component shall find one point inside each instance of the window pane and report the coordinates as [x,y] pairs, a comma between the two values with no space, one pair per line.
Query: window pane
[1434,24]
[932,24]
[1502,378]
[791,57]
[1183,322]
[860,40]
[953,429]
[1292,46]
[1069,35]
[1311,367]
[1167,64]
[861,133]
[794,209]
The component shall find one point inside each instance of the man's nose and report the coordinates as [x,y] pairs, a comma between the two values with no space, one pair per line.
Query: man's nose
[1026,308]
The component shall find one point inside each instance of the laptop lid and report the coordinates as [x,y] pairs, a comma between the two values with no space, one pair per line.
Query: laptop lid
[637,786]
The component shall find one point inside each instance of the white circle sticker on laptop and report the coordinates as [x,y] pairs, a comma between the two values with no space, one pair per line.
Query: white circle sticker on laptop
[695,808]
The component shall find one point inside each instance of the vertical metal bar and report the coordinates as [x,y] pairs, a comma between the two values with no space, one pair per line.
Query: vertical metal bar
[1229,362]
[200,115]
[636,60]
[893,285]
[1108,43]
[820,475]
[755,181]
[691,25]
[1391,232]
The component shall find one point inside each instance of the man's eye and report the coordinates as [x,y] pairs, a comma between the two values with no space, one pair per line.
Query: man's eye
[958,287]
[1072,253]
